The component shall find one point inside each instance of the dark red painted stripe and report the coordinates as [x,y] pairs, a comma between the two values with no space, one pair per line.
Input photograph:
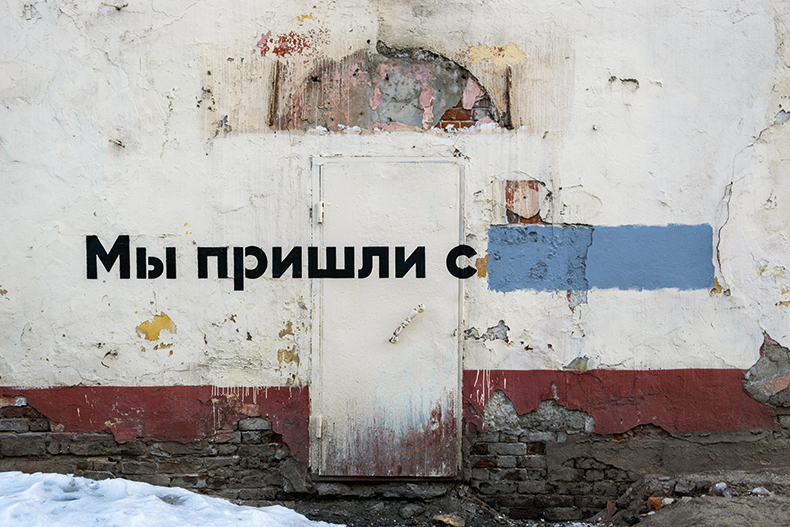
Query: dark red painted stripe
[687,400]
[172,413]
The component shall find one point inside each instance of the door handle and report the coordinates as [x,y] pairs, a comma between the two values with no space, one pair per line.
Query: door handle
[414,312]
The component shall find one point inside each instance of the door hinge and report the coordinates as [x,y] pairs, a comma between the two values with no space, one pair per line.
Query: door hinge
[318,212]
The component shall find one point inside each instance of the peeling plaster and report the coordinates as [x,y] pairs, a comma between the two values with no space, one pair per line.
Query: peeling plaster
[501,414]
[150,329]
[500,56]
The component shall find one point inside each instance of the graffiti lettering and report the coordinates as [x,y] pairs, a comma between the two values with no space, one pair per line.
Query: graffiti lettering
[331,270]
[221,254]
[251,262]
[452,256]
[368,253]
[240,273]
[416,259]
[293,260]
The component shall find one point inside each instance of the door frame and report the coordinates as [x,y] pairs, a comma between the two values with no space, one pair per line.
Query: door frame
[316,317]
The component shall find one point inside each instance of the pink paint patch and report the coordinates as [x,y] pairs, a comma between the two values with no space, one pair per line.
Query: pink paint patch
[426,96]
[291,43]
[376,99]
[263,43]
[471,93]
[3,292]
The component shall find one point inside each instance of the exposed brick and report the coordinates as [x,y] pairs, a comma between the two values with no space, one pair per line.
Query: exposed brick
[498,487]
[137,467]
[259,451]
[457,114]
[531,461]
[534,437]
[481,474]
[587,463]
[255,480]
[487,437]
[104,466]
[533,487]
[515,474]
[191,481]
[214,482]
[181,466]
[181,449]
[508,437]
[536,474]
[567,474]
[14,425]
[606,488]
[482,462]
[506,461]
[20,412]
[251,437]
[574,488]
[479,449]
[254,423]
[227,449]
[536,448]
[508,449]
[22,445]
[39,425]
[211,463]
[593,475]
[553,500]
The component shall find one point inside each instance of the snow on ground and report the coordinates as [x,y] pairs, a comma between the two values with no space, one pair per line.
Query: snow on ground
[55,500]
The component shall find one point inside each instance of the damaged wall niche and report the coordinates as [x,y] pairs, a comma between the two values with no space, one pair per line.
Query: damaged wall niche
[388,89]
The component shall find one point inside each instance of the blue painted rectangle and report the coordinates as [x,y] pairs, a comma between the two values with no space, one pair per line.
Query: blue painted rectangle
[540,257]
[555,258]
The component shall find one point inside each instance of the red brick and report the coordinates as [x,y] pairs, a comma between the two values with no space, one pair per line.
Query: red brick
[457,114]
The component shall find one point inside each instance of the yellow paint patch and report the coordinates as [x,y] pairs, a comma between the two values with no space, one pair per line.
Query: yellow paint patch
[501,56]
[150,329]
[302,18]
[717,289]
[761,268]
[163,346]
[482,266]
[289,330]
[288,355]
[783,303]
[780,271]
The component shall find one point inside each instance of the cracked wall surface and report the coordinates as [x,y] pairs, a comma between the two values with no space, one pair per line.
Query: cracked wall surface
[161,122]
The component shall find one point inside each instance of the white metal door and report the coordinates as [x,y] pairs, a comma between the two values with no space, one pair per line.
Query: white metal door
[384,408]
